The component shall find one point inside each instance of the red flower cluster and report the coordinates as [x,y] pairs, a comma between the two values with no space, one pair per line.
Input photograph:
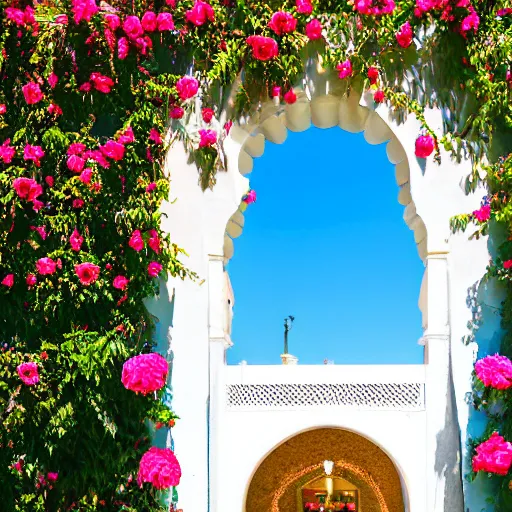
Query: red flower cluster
[375,7]
[200,13]
[282,23]
[493,456]
[160,468]
[263,48]
[145,373]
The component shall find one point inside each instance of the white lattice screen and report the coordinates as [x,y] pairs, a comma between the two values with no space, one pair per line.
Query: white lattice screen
[402,396]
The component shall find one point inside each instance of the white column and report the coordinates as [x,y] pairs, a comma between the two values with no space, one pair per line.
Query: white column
[444,485]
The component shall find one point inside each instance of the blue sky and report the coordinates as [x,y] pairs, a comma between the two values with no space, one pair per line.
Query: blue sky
[326,243]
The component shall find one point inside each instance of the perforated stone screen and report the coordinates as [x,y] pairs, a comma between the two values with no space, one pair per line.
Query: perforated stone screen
[409,396]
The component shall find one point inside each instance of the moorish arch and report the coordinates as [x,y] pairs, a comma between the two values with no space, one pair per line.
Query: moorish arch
[277,482]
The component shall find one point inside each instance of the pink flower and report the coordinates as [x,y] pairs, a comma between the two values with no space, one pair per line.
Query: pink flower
[77,148]
[78,203]
[41,231]
[470,22]
[263,48]
[120,282]
[304,6]
[113,150]
[85,87]
[101,83]
[127,136]
[136,242]
[290,97]
[493,456]
[132,27]
[207,114]
[33,153]
[76,240]
[207,138]
[52,477]
[345,69]
[404,35]
[504,12]
[314,30]
[18,466]
[154,269]
[379,96]
[61,19]
[87,272]
[53,80]
[424,146]
[50,181]
[483,214]
[7,152]
[187,87]
[145,373]
[159,467]
[31,280]
[3,109]
[123,47]
[154,240]
[28,373]
[200,13]
[86,176]
[113,21]
[46,266]
[151,187]
[155,136]
[148,21]
[495,371]
[164,21]
[227,126]
[276,91]
[83,10]
[8,280]
[54,109]
[373,74]
[32,93]
[27,188]
[15,15]
[282,23]
[250,197]
[75,163]
[176,113]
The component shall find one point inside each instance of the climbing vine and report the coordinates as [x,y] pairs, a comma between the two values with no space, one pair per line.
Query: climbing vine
[92,94]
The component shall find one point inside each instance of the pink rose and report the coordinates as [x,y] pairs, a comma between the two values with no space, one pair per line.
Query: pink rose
[314,30]
[7,152]
[495,371]
[76,240]
[3,109]
[136,241]
[154,268]
[22,186]
[304,6]
[424,146]
[77,148]
[32,93]
[123,47]
[207,114]
[31,280]
[87,272]
[52,477]
[78,203]
[470,22]
[263,48]
[28,373]
[86,87]
[483,214]
[83,10]
[276,91]
[373,74]
[132,27]
[160,467]
[155,136]
[75,163]
[507,264]
[187,87]
[493,456]
[41,231]
[282,23]
[8,280]
[148,21]
[86,176]
[113,22]
[176,113]
[250,197]
[53,79]
[154,240]
[200,13]
[113,150]
[120,282]
[145,373]
[164,21]
[207,138]
[404,35]
[61,19]
[379,96]
[33,153]
[345,69]
[101,83]
[50,181]
[18,465]
[15,15]
[127,137]
[290,97]
[46,266]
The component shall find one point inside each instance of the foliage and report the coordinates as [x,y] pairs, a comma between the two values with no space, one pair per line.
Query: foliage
[110,77]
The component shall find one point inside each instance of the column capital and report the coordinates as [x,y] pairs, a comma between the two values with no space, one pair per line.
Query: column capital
[225,340]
